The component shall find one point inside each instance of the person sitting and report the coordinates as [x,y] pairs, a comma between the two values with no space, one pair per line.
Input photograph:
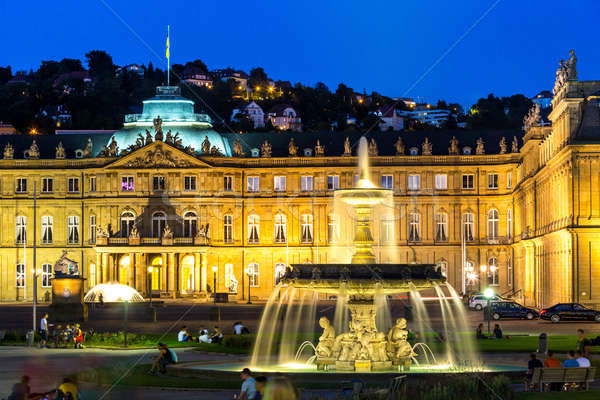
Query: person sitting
[531,365]
[571,362]
[582,360]
[238,328]
[216,336]
[260,382]
[78,337]
[203,336]
[497,332]
[57,335]
[551,361]
[479,332]
[160,362]
[68,389]
[183,335]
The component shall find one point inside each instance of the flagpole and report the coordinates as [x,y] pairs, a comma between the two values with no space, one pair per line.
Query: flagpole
[168,58]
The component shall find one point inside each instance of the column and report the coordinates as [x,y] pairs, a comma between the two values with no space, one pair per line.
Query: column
[196,272]
[104,266]
[131,270]
[163,272]
[140,273]
[203,273]
[171,272]
[98,271]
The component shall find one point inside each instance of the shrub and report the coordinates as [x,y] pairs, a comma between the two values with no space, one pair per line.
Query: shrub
[239,341]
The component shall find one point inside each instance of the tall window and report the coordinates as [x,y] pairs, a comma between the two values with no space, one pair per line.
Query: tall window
[441,227]
[468,181]
[333,182]
[493,271]
[21,185]
[20,276]
[92,229]
[253,276]
[228,228]
[47,229]
[92,183]
[21,229]
[127,183]
[333,228]
[159,221]
[253,228]
[306,228]
[509,180]
[280,228]
[306,183]
[279,183]
[46,275]
[469,227]
[414,182]
[189,183]
[443,268]
[509,271]
[387,181]
[387,228]
[47,185]
[253,184]
[230,281]
[73,229]
[228,183]
[158,183]
[414,227]
[492,181]
[279,272]
[127,221]
[73,185]
[190,224]
[493,221]
[441,181]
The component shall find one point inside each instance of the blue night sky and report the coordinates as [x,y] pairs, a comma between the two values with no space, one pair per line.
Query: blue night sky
[384,46]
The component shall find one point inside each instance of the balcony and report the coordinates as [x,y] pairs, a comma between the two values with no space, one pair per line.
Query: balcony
[152,241]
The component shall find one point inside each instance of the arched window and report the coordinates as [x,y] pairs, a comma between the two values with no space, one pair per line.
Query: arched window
[190,224]
[306,228]
[441,227]
[47,229]
[493,221]
[127,221]
[280,228]
[159,222]
[509,227]
[253,228]
[469,227]
[442,266]
[21,229]
[492,271]
[414,227]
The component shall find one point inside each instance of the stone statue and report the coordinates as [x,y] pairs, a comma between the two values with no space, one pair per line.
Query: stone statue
[87,152]
[326,341]
[399,349]
[567,71]
[515,145]
[265,149]
[148,137]
[453,149]
[214,151]
[571,66]
[347,149]
[479,149]
[60,151]
[399,147]
[101,233]
[133,233]
[373,148]
[292,148]
[532,118]
[503,145]
[169,138]
[9,152]
[167,233]
[157,122]
[238,151]
[33,151]
[65,266]
[113,148]
[205,148]
[177,140]
[139,142]
[319,150]
[426,147]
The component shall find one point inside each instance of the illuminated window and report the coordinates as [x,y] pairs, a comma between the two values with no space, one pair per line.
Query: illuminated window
[253,228]
[493,271]
[159,222]
[231,282]
[127,183]
[509,223]
[228,183]
[509,271]
[508,180]
[73,229]
[493,221]
[279,183]
[228,228]
[253,184]
[441,227]
[333,182]
[92,183]
[20,276]
[441,181]
[253,276]
[414,182]
[387,228]
[387,181]
[21,229]
[306,228]
[92,229]
[414,227]
[47,228]
[469,227]
[280,228]
[306,183]
[46,275]
[443,268]
[127,222]
[190,224]
[279,272]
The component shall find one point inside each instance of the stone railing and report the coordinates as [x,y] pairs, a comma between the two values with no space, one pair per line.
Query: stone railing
[136,241]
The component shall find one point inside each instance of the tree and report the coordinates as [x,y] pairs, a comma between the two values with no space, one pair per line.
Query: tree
[258,78]
[100,63]
[5,74]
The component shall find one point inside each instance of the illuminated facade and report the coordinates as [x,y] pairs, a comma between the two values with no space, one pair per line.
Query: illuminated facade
[169,203]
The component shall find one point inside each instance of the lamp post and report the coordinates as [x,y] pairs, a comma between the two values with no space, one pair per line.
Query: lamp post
[150,269]
[215,269]
[248,274]
[488,293]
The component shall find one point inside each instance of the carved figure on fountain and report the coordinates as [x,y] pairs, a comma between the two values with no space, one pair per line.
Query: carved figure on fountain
[399,350]
[324,348]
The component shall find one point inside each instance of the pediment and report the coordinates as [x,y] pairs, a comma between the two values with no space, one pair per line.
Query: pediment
[158,155]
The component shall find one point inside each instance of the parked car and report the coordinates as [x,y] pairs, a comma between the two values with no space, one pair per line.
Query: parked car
[510,309]
[569,312]
[479,301]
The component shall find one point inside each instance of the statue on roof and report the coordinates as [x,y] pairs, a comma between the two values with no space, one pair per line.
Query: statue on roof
[532,118]
[373,151]
[157,122]
[60,151]
[139,141]
[561,77]
[319,149]
[426,147]
[205,148]
[238,151]
[453,149]
[515,145]
[215,151]
[113,148]
[503,145]
[265,149]
[480,149]
[33,151]
[87,152]
[148,137]
[292,148]
[571,66]
[347,149]
[169,138]
[9,152]
[399,146]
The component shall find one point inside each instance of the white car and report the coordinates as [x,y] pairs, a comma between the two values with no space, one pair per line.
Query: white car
[479,301]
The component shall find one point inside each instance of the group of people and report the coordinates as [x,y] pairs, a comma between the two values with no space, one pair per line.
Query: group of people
[260,387]
[496,333]
[62,337]
[215,336]
[21,390]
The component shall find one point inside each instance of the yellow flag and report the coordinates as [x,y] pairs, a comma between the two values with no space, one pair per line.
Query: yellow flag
[167,54]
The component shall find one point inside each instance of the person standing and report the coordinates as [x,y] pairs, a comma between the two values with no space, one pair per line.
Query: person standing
[44,330]
[583,344]
[531,366]
[248,391]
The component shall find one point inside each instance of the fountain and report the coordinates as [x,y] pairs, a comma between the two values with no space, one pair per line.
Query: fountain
[113,292]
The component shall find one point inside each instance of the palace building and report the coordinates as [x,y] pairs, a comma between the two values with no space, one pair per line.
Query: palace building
[168,204]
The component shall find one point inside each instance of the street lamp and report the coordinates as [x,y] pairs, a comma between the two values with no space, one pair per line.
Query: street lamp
[248,274]
[125,297]
[150,269]
[488,293]
[215,269]
[35,277]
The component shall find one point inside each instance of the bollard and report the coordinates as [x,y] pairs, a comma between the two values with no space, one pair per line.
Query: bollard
[29,338]
[542,343]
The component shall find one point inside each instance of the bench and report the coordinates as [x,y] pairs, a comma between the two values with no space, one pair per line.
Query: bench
[546,376]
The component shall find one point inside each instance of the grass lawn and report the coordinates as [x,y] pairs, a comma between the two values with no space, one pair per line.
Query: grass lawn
[587,395]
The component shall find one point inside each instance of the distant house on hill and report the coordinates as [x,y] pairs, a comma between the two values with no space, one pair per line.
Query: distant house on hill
[131,68]
[229,73]
[543,98]
[284,117]
[196,76]
[63,80]
[7,129]
[424,114]
[254,112]
[20,77]
[389,118]
[58,113]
